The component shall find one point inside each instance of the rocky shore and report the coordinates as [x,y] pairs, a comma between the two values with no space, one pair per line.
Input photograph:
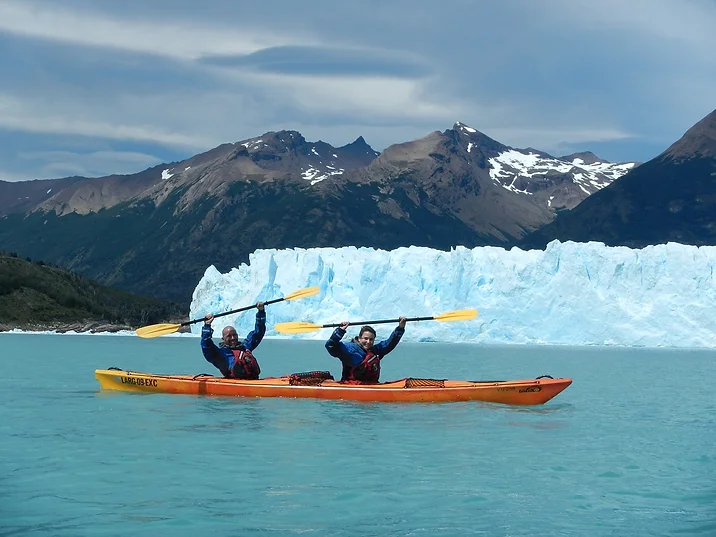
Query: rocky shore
[92,327]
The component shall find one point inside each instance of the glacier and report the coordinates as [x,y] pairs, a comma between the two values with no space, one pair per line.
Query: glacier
[568,294]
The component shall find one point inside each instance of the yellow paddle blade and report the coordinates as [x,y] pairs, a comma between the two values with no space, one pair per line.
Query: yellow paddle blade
[302,293]
[296,328]
[458,315]
[156,330]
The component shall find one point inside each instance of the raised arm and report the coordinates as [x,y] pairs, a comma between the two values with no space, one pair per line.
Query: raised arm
[207,344]
[334,345]
[257,334]
[210,350]
[387,345]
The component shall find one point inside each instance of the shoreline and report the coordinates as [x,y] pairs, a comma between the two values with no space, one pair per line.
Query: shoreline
[84,328]
[124,333]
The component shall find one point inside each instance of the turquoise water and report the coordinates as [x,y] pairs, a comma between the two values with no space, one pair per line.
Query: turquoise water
[628,449]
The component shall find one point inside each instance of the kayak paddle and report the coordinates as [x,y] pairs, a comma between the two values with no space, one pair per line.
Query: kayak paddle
[156,330]
[301,327]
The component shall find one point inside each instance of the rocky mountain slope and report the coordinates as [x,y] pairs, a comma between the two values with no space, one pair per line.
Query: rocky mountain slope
[37,296]
[670,198]
[156,231]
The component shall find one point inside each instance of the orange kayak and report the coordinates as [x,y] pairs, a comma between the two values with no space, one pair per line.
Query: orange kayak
[513,392]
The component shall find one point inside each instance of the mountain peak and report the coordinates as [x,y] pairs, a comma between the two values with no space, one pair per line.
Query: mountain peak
[466,129]
[587,157]
[359,145]
[360,141]
[285,138]
[699,141]
[288,138]
[470,138]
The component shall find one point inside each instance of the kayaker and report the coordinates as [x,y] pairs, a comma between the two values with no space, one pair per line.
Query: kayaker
[361,356]
[233,358]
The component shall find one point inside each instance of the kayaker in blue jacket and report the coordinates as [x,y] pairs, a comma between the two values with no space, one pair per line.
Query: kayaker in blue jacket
[361,356]
[233,358]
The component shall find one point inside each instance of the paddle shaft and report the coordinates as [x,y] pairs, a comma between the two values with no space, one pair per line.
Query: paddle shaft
[245,308]
[381,321]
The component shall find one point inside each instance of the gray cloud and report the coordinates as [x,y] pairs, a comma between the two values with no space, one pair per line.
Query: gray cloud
[89,164]
[302,60]
[559,74]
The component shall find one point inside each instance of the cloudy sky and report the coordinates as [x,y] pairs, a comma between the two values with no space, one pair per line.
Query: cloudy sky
[93,87]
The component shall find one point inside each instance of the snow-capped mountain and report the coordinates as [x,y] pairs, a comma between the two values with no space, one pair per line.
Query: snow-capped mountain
[501,192]
[518,170]
[156,231]
[671,198]
[529,171]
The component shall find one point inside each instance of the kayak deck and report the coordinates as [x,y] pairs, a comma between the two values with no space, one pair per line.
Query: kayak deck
[514,392]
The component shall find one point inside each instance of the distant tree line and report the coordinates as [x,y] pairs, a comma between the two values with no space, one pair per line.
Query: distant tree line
[39,292]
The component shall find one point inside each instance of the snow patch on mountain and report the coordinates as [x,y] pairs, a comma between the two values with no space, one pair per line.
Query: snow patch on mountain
[465,128]
[316,176]
[512,164]
[253,144]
